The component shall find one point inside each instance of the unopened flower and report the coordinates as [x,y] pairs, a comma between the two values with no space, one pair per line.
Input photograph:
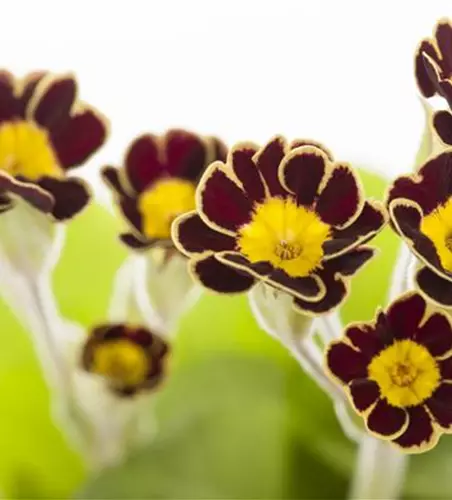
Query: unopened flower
[157,182]
[433,67]
[420,207]
[44,132]
[397,372]
[130,359]
[285,215]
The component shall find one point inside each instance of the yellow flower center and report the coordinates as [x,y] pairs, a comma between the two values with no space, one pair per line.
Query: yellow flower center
[288,236]
[406,373]
[121,361]
[437,226]
[162,203]
[25,150]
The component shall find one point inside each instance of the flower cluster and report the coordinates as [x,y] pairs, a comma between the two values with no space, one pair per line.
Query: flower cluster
[44,132]
[157,183]
[433,66]
[273,214]
[397,373]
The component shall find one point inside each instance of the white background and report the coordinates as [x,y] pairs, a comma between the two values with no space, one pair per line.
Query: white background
[340,72]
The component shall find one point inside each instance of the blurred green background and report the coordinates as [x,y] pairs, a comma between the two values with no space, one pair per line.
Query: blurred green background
[237,418]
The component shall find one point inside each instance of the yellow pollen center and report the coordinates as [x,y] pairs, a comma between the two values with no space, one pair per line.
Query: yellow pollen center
[162,203]
[437,226]
[288,236]
[25,150]
[121,361]
[406,373]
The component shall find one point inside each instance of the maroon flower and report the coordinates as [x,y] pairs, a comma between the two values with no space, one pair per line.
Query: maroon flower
[433,67]
[44,132]
[420,208]
[286,215]
[158,181]
[131,359]
[397,373]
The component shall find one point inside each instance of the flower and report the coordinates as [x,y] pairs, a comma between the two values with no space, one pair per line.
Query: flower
[45,131]
[130,359]
[433,68]
[157,182]
[420,207]
[285,215]
[397,372]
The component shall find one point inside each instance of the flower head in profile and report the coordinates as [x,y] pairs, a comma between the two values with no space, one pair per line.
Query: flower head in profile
[158,181]
[397,372]
[285,215]
[44,132]
[420,208]
[130,359]
[433,67]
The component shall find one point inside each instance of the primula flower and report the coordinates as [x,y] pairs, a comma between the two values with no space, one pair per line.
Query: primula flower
[397,372]
[420,207]
[157,182]
[433,67]
[130,359]
[44,132]
[286,215]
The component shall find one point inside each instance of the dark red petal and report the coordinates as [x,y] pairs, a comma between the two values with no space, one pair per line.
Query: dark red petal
[258,269]
[192,235]
[222,201]
[405,314]
[445,90]
[445,366]
[186,154]
[134,242]
[420,433]
[9,106]
[346,363]
[54,102]
[370,221]
[71,196]
[246,172]
[407,220]
[350,262]
[130,210]
[29,192]
[443,35]
[436,335]
[298,143]
[81,136]
[440,405]
[364,393]
[142,162]
[306,287]
[434,286]
[302,172]
[219,277]
[442,121]
[336,292]
[112,178]
[30,83]
[341,198]
[426,86]
[386,420]
[365,339]
[219,150]
[268,160]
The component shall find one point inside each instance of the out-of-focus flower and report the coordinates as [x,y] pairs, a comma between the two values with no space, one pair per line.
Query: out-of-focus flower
[157,182]
[397,372]
[433,67]
[130,359]
[420,207]
[285,215]
[44,132]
